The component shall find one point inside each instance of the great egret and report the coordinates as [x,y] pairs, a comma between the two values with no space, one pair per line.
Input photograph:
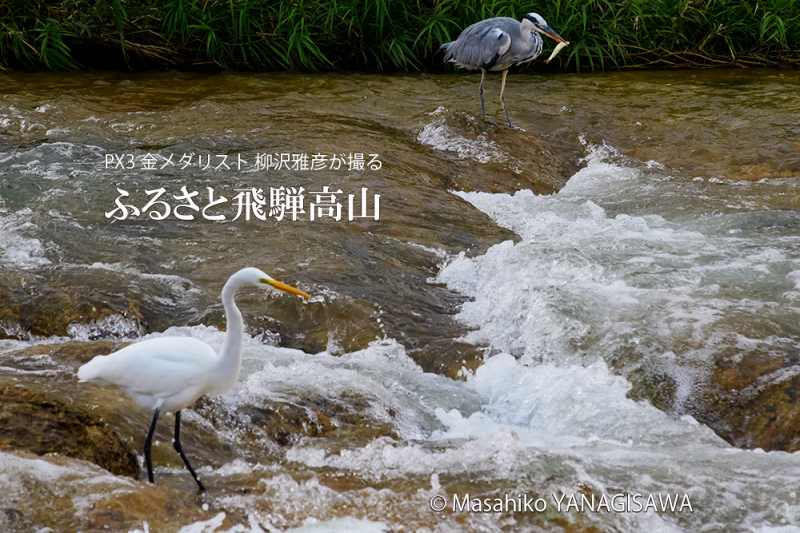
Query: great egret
[497,44]
[170,373]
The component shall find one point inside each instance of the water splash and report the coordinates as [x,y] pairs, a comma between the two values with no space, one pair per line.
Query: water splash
[17,246]
[440,136]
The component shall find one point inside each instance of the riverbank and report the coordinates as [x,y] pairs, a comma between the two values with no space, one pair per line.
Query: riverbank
[385,35]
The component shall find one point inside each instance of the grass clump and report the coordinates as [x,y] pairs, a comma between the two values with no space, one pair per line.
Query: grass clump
[385,34]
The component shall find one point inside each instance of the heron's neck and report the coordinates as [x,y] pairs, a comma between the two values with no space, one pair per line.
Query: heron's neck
[231,355]
[526,27]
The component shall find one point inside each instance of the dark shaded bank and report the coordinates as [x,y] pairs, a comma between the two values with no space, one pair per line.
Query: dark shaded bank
[383,35]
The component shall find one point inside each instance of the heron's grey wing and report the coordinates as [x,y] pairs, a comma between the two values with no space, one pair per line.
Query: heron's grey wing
[479,46]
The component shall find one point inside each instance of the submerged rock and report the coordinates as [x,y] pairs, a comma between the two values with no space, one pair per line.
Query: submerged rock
[61,493]
[344,422]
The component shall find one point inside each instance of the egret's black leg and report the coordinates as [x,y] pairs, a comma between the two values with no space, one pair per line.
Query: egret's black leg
[503,100]
[483,106]
[148,442]
[178,448]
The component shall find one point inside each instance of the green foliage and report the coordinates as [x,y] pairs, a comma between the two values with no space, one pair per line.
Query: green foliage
[53,52]
[386,34]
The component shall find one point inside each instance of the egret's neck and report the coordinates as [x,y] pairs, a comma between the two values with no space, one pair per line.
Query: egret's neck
[231,355]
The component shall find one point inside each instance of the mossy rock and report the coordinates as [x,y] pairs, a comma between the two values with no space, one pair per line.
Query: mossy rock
[519,159]
[751,401]
[754,402]
[49,311]
[96,423]
[656,387]
[66,494]
[343,422]
[34,417]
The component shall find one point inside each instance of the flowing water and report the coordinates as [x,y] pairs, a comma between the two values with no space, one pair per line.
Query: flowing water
[487,337]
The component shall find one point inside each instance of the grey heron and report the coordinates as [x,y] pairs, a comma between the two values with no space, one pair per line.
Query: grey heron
[497,44]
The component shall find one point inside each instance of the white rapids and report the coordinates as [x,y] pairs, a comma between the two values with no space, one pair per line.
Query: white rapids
[593,276]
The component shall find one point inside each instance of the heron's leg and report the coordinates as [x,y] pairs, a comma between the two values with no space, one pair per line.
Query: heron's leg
[178,448]
[483,106]
[148,442]
[503,100]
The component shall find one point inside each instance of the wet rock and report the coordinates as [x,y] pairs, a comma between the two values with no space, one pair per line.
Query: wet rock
[92,302]
[73,353]
[159,507]
[654,386]
[10,321]
[342,422]
[12,519]
[402,502]
[64,494]
[45,410]
[71,495]
[342,326]
[37,417]
[754,403]
[508,159]
[337,326]
[451,358]
[751,401]
[44,310]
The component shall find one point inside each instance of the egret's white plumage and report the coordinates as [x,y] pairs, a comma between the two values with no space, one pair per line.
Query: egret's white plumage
[170,373]
[167,372]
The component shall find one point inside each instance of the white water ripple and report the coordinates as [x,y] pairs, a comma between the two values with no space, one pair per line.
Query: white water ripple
[18,246]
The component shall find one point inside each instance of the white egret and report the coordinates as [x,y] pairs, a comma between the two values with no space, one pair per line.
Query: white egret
[170,373]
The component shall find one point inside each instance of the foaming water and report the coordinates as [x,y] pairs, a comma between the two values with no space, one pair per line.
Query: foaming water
[558,426]
[383,374]
[439,136]
[113,326]
[17,247]
[630,265]
[586,285]
[544,411]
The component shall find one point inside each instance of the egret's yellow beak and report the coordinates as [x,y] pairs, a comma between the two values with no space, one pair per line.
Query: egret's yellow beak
[281,286]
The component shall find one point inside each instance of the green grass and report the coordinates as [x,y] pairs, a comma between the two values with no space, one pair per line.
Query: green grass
[385,34]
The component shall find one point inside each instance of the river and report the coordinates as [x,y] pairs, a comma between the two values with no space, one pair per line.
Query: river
[604,300]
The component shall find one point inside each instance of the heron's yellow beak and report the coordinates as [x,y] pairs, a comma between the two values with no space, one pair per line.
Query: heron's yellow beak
[281,286]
